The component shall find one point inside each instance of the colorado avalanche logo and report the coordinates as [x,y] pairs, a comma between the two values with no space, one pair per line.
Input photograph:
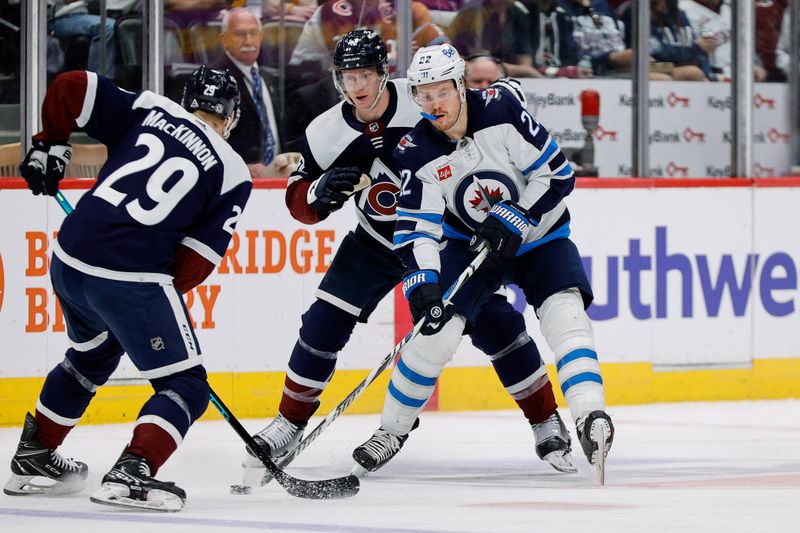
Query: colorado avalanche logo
[380,200]
[477,193]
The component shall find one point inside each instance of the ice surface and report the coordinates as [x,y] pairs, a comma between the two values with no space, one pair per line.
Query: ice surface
[711,467]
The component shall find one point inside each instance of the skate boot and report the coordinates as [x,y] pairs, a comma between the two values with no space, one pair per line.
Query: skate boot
[596,433]
[129,484]
[277,440]
[553,443]
[378,450]
[35,469]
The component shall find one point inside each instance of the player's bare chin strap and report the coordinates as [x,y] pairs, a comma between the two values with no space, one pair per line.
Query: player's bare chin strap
[415,375]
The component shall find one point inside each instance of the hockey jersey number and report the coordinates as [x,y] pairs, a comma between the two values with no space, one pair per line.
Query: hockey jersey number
[165,201]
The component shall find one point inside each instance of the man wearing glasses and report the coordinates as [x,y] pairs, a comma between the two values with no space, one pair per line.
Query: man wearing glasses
[256,138]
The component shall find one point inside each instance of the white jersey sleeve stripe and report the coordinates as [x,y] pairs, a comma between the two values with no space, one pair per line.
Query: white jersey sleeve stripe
[88,99]
[203,250]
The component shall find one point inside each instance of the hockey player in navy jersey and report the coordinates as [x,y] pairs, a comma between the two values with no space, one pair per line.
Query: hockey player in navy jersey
[155,224]
[480,171]
[352,139]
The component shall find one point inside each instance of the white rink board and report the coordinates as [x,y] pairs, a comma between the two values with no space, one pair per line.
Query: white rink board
[256,315]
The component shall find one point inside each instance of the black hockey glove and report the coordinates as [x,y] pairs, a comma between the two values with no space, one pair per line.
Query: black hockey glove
[514,87]
[331,191]
[44,166]
[502,231]
[424,296]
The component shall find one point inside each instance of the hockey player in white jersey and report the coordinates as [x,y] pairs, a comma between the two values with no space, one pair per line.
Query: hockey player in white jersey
[350,141]
[480,171]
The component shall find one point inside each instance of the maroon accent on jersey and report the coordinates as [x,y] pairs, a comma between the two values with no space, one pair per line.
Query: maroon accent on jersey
[62,106]
[296,194]
[152,443]
[191,269]
[769,16]
[50,433]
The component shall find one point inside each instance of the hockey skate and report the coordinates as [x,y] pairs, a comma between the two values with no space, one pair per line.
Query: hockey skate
[596,433]
[277,440]
[35,469]
[553,443]
[378,450]
[129,484]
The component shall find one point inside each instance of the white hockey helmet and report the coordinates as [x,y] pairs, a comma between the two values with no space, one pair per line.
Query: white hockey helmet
[436,63]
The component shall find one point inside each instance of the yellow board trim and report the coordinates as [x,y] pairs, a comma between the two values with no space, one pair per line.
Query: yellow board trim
[257,394]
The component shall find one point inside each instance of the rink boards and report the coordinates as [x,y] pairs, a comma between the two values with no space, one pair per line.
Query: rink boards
[695,283]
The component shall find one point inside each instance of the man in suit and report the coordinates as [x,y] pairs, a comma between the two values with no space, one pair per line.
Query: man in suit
[256,138]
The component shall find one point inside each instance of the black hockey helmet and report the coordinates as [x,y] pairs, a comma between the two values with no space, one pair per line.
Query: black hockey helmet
[361,49]
[215,91]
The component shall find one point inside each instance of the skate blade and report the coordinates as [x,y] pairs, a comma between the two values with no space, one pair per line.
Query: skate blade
[41,486]
[561,461]
[116,495]
[359,471]
[601,434]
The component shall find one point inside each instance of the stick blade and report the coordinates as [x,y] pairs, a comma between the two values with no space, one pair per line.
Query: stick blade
[328,489]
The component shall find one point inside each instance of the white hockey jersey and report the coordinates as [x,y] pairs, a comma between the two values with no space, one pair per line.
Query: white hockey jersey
[448,188]
[337,138]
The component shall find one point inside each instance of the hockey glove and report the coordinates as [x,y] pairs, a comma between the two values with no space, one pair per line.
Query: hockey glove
[502,231]
[424,297]
[330,192]
[514,87]
[44,166]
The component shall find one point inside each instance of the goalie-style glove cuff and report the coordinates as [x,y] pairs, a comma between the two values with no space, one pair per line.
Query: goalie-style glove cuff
[417,278]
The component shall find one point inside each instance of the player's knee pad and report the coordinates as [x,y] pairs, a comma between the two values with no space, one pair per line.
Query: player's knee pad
[187,389]
[415,375]
[326,328]
[497,326]
[568,331]
[95,365]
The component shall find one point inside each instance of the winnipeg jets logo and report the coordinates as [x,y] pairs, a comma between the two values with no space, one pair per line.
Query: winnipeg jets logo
[477,193]
[449,51]
[485,198]
[490,94]
[405,142]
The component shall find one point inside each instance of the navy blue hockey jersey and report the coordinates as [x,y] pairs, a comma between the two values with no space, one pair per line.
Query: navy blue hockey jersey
[169,180]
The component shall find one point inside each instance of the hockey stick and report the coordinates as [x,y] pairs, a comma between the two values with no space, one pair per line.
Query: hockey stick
[344,404]
[342,487]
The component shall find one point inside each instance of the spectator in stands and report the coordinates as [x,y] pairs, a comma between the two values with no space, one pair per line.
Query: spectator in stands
[256,137]
[783,57]
[296,11]
[711,23]
[482,71]
[72,18]
[335,18]
[500,28]
[672,42]
[555,51]
[769,17]
[599,35]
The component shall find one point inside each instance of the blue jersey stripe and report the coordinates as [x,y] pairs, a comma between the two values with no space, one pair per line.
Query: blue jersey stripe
[576,354]
[544,158]
[404,238]
[414,377]
[581,378]
[402,398]
[429,217]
